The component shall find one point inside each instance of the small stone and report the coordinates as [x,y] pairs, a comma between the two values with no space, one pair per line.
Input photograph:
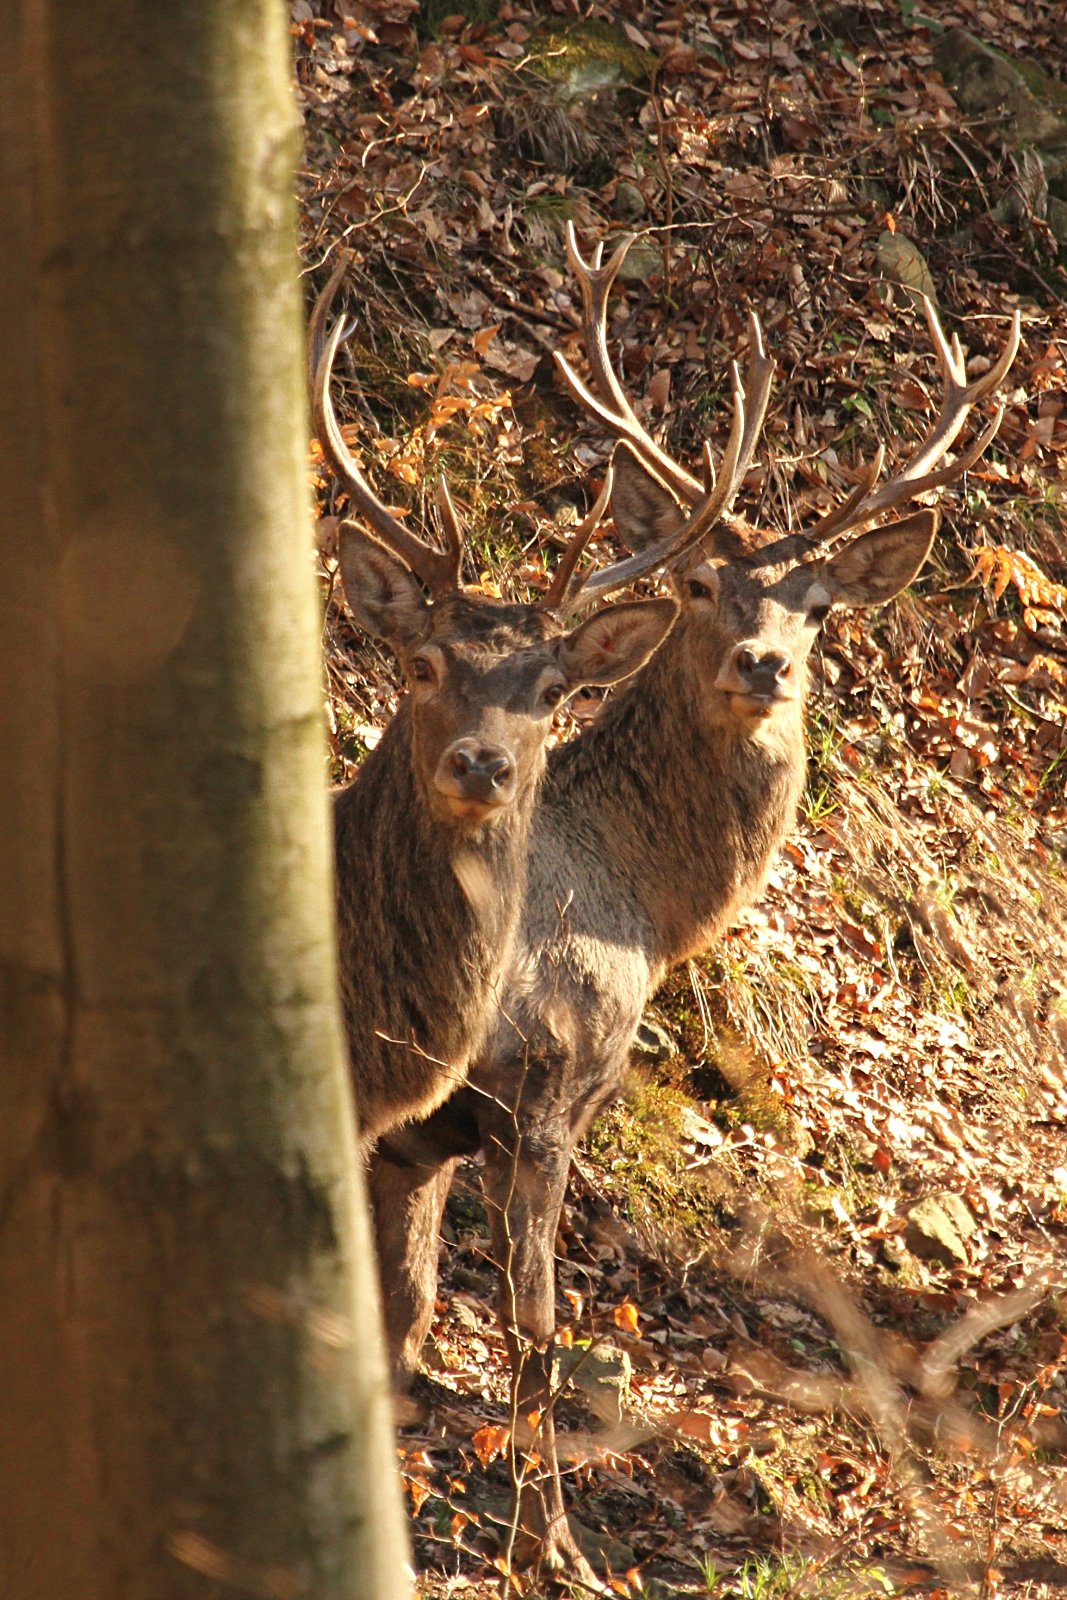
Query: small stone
[601,1371]
[643,260]
[629,201]
[902,262]
[892,1254]
[652,1042]
[938,1228]
[601,1548]
[955,1207]
[465,1316]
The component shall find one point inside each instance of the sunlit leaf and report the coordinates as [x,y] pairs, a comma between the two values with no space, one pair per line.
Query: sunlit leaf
[490,1441]
[625,1317]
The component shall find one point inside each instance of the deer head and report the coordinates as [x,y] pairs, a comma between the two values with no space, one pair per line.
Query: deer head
[484,675]
[752,601]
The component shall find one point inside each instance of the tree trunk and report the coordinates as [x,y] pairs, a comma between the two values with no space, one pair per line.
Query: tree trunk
[193,1391]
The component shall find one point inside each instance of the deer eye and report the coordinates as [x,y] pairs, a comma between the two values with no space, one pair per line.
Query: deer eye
[818,615]
[553,694]
[698,590]
[422,670]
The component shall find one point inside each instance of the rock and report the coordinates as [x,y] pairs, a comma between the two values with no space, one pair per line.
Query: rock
[960,1212]
[793,1134]
[902,262]
[1027,196]
[644,260]
[466,1316]
[983,80]
[601,1549]
[601,1371]
[475,1282]
[938,1229]
[629,201]
[586,58]
[652,1042]
[892,1254]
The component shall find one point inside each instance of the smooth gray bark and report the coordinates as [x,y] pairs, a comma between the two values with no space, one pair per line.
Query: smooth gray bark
[191,1382]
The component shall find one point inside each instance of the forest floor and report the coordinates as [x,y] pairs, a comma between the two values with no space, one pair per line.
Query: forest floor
[813,1266]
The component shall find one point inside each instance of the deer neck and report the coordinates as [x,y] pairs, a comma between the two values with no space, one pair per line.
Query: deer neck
[690,807]
[426,913]
[421,852]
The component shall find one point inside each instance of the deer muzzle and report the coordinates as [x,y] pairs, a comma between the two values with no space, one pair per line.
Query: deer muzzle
[476,779]
[758,679]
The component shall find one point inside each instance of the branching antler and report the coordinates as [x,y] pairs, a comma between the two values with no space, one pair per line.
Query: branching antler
[922,470]
[712,500]
[439,570]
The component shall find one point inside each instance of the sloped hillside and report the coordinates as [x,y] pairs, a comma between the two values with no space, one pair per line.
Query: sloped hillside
[814,1265]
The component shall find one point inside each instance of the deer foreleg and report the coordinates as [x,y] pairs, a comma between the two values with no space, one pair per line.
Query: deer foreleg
[525,1191]
[408,1201]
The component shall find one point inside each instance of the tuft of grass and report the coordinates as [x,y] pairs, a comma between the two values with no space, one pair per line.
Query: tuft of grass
[951,994]
[825,737]
[545,216]
[753,1101]
[640,1141]
[782,1577]
[591,55]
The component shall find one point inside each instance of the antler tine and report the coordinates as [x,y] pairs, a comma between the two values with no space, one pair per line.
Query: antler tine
[758,380]
[750,410]
[693,530]
[451,526]
[921,471]
[317,321]
[565,587]
[827,526]
[438,569]
[963,462]
[720,488]
[959,397]
[614,410]
[626,426]
[711,500]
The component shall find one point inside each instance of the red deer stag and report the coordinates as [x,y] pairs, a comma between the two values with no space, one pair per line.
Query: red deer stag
[431,837]
[652,829]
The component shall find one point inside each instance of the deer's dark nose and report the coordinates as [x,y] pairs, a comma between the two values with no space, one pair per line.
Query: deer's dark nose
[482,772]
[763,671]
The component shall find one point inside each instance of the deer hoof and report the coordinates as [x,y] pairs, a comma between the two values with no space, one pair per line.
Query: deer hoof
[410,1411]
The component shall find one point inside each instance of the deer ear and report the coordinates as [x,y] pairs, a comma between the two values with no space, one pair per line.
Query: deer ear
[615,642]
[382,595]
[644,509]
[880,564]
